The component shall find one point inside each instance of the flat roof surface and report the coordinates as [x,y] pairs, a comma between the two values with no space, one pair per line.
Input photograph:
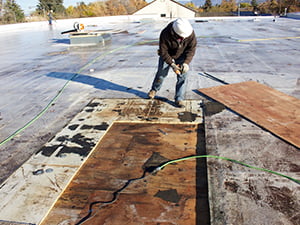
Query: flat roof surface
[47,81]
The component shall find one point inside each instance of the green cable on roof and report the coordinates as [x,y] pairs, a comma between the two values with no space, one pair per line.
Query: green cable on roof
[228,159]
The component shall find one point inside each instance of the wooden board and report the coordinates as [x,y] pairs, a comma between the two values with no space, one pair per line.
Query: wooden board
[64,153]
[168,197]
[267,107]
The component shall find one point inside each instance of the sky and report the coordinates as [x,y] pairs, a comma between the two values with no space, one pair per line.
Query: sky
[30,5]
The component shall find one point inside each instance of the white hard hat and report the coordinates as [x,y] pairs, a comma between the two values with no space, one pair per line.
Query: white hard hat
[182,27]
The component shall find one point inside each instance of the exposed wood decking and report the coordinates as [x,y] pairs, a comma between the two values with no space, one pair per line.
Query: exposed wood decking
[126,150]
[273,110]
[62,156]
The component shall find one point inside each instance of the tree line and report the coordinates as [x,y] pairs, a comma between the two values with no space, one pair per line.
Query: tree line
[274,7]
[11,12]
[104,8]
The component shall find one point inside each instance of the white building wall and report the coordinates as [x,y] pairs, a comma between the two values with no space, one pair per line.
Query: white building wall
[166,7]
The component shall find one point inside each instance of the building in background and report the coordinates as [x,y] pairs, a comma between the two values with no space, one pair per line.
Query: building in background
[166,8]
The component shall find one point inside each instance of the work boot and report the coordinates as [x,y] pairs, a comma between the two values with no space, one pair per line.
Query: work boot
[179,104]
[151,94]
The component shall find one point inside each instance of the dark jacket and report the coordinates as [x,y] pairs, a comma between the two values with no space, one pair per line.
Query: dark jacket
[170,48]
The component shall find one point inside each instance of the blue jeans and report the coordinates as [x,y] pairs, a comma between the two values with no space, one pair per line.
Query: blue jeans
[162,73]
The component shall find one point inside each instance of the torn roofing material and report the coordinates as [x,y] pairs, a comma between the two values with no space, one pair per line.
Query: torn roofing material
[112,187]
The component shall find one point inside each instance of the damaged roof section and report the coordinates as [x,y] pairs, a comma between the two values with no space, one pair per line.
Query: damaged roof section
[39,181]
[241,195]
[112,186]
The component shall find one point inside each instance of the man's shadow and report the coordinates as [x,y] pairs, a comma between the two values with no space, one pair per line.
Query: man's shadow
[102,84]
[98,83]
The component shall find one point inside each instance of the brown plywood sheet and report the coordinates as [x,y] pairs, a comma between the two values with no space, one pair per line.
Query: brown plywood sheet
[273,110]
[167,197]
[38,183]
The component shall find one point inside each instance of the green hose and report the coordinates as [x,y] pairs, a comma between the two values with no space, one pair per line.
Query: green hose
[231,160]
[64,87]
[59,93]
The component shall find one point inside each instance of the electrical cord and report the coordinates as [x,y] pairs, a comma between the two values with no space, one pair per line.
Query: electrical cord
[154,170]
[115,195]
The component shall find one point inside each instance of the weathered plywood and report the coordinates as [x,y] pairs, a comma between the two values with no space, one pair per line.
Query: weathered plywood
[267,107]
[168,197]
[38,183]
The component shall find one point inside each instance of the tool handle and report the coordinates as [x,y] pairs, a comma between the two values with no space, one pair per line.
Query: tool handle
[68,31]
[177,72]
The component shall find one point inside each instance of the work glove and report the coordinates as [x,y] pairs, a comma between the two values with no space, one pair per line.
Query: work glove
[176,68]
[185,68]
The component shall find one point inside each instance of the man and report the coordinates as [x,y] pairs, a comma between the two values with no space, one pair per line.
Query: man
[50,17]
[177,46]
